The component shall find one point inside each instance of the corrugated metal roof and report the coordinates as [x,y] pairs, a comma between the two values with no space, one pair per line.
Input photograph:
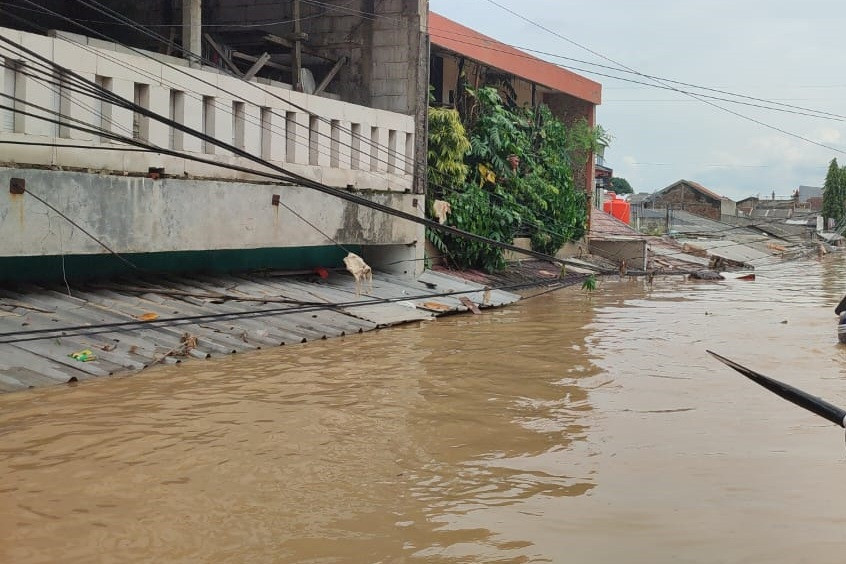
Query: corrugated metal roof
[131,325]
[668,255]
[603,225]
[685,222]
[729,250]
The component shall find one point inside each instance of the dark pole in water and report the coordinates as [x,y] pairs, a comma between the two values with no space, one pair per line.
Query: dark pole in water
[791,394]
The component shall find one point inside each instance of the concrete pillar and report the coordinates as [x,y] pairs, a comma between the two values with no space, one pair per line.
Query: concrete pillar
[192,30]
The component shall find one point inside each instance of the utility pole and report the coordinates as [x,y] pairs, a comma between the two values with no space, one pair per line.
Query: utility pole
[192,31]
[297,51]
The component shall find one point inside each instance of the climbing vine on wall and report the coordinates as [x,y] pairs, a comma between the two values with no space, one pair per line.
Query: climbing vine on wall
[516,178]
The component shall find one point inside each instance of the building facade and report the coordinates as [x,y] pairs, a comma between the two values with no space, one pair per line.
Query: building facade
[333,97]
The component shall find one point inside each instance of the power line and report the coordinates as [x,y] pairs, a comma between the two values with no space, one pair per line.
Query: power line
[445,188]
[805,112]
[659,81]
[305,143]
[280,172]
[26,335]
[269,23]
[94,4]
[733,101]
[619,66]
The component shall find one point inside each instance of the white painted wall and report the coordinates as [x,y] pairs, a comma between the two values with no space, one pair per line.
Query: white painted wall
[319,160]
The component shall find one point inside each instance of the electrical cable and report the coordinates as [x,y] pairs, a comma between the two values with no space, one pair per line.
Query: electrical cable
[245,26]
[113,14]
[659,81]
[120,17]
[804,112]
[733,227]
[281,172]
[75,224]
[306,141]
[10,337]
[620,68]
[301,180]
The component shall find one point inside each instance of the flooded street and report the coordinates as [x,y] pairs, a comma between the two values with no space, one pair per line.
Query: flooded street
[565,428]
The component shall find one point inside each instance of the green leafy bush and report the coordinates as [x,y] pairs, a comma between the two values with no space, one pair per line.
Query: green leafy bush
[515,177]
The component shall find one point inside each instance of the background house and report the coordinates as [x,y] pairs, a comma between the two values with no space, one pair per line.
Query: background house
[692,197]
[746,205]
[809,197]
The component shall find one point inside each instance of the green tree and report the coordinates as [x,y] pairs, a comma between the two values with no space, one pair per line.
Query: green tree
[834,193]
[621,186]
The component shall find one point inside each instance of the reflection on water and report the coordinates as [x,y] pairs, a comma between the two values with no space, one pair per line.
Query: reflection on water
[567,428]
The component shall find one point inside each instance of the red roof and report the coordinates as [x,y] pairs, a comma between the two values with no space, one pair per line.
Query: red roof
[451,35]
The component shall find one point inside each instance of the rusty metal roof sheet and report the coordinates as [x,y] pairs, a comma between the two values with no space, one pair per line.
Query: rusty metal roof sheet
[131,325]
[603,225]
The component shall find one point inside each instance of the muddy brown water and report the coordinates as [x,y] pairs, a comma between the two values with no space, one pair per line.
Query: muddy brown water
[565,428]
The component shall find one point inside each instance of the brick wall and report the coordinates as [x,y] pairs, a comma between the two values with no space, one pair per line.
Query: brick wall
[682,197]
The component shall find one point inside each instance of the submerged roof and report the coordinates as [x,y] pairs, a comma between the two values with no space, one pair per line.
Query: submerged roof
[451,35]
[128,327]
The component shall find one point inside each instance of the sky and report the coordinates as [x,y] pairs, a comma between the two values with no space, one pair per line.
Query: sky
[779,51]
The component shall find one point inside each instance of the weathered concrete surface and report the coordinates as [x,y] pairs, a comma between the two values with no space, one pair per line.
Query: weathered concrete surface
[136,215]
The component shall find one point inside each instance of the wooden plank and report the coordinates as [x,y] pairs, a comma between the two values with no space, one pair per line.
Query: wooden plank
[257,66]
[250,58]
[330,75]
[279,40]
[470,305]
[219,50]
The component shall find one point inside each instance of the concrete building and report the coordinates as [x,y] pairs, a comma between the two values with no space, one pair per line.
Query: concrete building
[334,96]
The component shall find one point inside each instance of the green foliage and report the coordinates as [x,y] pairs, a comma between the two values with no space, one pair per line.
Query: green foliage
[519,179]
[448,145]
[834,193]
[589,284]
[473,211]
[621,186]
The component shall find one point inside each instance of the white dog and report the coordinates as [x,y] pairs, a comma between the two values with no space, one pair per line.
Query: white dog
[360,271]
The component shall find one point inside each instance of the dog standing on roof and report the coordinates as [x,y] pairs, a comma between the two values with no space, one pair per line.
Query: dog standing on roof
[361,272]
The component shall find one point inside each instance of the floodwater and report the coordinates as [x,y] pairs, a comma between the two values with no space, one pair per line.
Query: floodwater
[566,428]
